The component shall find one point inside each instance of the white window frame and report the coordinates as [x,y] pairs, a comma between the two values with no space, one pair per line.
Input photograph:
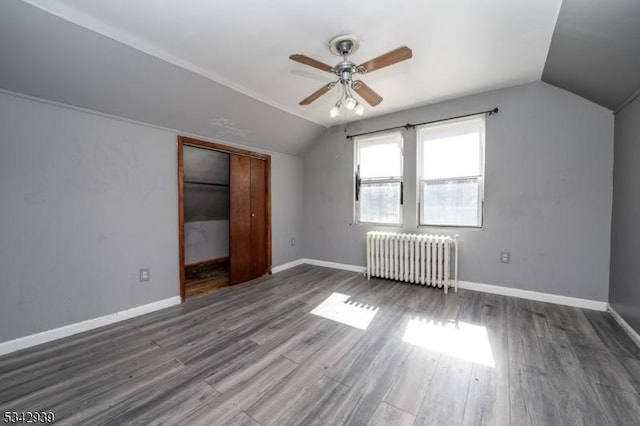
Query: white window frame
[357,183]
[421,182]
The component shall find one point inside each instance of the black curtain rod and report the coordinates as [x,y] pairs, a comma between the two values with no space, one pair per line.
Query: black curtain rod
[410,125]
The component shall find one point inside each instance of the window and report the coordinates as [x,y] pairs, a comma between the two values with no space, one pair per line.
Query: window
[451,173]
[379,179]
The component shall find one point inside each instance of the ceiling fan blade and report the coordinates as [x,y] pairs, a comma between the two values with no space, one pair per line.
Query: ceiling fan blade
[389,58]
[311,62]
[315,95]
[366,92]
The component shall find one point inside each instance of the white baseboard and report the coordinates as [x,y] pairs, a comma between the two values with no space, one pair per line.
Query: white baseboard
[493,289]
[79,327]
[68,330]
[286,266]
[625,326]
[535,295]
[343,266]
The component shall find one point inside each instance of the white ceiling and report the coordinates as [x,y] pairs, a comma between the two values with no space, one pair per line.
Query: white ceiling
[459,47]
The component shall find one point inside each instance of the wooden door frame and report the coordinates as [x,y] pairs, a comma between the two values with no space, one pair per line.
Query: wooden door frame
[214,146]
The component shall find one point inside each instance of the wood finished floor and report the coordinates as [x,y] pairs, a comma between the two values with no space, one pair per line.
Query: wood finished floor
[253,354]
[201,280]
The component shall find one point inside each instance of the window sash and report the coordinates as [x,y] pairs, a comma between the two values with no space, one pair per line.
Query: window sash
[392,139]
[365,142]
[381,180]
[359,203]
[479,205]
[450,129]
[442,130]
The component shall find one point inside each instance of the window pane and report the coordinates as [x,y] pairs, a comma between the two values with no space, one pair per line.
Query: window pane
[450,202]
[451,157]
[380,202]
[452,149]
[381,158]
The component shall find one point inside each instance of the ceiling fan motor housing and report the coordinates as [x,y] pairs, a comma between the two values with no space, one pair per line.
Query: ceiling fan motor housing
[345,70]
[344,45]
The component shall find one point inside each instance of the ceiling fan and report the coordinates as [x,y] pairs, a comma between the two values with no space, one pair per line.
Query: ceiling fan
[345,45]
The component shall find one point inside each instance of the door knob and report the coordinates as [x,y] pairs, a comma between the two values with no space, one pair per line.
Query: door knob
[253,215]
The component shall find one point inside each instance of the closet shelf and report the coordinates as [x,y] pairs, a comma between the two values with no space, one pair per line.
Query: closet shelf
[225,185]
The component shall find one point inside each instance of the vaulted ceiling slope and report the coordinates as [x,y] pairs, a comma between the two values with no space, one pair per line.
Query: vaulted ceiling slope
[51,58]
[221,69]
[459,47]
[595,51]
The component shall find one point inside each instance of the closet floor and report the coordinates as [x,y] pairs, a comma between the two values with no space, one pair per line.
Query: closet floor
[201,280]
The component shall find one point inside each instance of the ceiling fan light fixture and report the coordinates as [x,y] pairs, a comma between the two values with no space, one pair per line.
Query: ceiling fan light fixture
[347,100]
[346,45]
[350,103]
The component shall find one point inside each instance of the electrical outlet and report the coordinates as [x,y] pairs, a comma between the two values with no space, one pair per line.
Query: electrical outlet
[293,241]
[145,275]
[505,257]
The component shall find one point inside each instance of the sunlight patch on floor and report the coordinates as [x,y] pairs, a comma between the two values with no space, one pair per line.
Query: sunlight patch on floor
[461,340]
[338,308]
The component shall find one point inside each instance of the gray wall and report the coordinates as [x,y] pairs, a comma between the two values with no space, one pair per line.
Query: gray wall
[87,200]
[624,290]
[205,240]
[549,159]
[287,200]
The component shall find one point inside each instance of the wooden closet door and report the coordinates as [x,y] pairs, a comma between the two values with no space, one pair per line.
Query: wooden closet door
[239,218]
[258,218]
[247,221]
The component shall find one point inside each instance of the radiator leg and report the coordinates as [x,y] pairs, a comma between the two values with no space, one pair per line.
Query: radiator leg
[368,270]
[447,265]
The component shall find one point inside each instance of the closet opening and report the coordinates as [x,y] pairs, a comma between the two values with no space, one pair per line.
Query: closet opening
[224,216]
[206,220]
